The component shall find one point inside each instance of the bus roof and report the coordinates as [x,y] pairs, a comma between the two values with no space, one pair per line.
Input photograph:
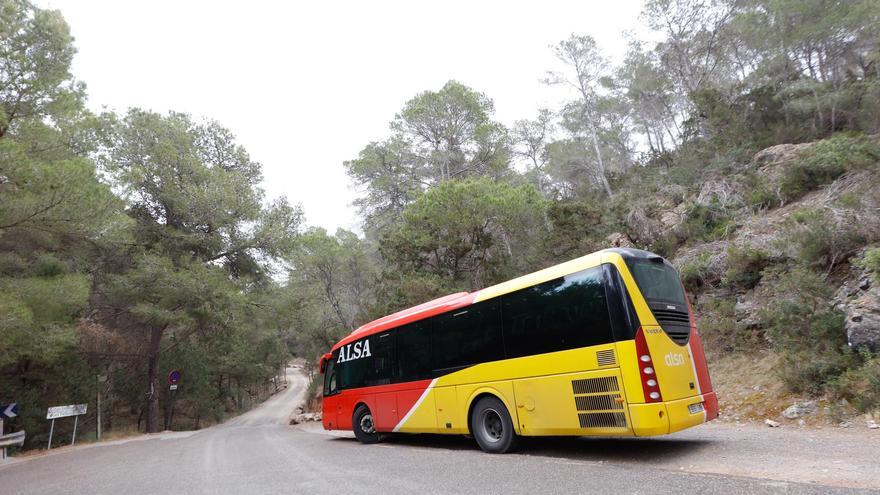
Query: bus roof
[461,299]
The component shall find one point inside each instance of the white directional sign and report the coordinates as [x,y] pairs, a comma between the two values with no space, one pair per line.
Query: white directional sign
[65,411]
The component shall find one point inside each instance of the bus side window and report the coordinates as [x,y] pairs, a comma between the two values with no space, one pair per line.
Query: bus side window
[565,313]
[468,336]
[414,352]
[380,364]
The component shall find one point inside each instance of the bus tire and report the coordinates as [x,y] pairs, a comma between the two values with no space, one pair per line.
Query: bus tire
[363,426]
[492,428]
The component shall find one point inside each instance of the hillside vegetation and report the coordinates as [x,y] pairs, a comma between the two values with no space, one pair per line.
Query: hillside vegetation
[743,147]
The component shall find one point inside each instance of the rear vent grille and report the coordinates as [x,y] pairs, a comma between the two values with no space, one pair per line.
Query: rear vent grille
[606,357]
[598,402]
[676,324]
[670,316]
[600,385]
[602,420]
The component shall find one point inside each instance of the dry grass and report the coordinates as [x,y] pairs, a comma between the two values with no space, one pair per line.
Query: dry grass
[750,390]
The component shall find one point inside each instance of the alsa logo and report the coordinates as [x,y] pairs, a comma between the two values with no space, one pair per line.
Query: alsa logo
[674,359]
[350,352]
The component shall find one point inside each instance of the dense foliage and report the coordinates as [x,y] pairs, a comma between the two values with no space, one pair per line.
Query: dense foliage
[130,245]
[136,243]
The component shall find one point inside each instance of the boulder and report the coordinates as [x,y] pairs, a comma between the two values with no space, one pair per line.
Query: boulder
[778,153]
[619,239]
[797,410]
[863,320]
[642,228]
[671,219]
[771,423]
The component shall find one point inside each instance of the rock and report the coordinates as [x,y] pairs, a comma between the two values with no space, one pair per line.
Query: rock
[619,239]
[778,153]
[642,228]
[872,425]
[304,417]
[845,424]
[863,320]
[771,423]
[796,410]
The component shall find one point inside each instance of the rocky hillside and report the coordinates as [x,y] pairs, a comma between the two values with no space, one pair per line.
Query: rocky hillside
[779,255]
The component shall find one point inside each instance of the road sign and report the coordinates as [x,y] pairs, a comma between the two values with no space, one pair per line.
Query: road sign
[65,411]
[8,411]
[173,377]
[172,387]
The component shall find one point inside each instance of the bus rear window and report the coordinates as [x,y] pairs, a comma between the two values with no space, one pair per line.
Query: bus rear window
[657,280]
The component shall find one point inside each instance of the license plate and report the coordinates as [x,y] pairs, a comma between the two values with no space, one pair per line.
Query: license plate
[695,408]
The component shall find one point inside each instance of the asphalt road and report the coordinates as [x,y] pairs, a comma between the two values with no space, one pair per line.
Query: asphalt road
[259,453]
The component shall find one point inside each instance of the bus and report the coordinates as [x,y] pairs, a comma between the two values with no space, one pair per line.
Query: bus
[604,344]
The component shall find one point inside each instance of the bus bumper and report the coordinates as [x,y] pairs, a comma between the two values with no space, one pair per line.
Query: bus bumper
[661,418]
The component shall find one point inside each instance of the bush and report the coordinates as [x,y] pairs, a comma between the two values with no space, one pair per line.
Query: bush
[49,266]
[694,273]
[818,241]
[744,266]
[707,222]
[722,332]
[825,161]
[871,263]
[861,386]
[759,195]
[806,331]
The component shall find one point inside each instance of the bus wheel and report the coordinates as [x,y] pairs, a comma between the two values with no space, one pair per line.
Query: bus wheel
[491,426]
[362,424]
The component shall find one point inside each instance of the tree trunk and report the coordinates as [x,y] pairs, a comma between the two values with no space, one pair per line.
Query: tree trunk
[153,380]
[601,163]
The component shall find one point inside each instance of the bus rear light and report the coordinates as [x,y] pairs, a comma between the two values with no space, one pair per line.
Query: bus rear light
[650,387]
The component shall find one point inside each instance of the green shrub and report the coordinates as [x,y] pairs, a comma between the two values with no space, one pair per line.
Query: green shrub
[759,195]
[744,266]
[825,161]
[707,222]
[818,241]
[871,263]
[861,386]
[722,332]
[806,331]
[49,266]
[694,273]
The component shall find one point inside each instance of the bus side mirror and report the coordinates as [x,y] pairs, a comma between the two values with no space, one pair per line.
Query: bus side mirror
[322,365]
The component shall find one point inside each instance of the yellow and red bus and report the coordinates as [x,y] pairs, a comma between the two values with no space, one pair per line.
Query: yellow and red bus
[604,344]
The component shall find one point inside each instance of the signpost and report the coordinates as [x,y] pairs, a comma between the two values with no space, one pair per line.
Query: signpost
[75,410]
[8,411]
[173,380]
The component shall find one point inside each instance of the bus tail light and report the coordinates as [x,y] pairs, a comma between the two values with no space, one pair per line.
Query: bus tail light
[650,387]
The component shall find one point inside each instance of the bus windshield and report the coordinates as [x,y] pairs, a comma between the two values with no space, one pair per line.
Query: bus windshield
[657,280]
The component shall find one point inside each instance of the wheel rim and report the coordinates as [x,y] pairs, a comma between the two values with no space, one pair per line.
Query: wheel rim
[367,424]
[492,426]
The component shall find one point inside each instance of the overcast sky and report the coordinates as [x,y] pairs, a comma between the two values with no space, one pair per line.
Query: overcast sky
[306,85]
